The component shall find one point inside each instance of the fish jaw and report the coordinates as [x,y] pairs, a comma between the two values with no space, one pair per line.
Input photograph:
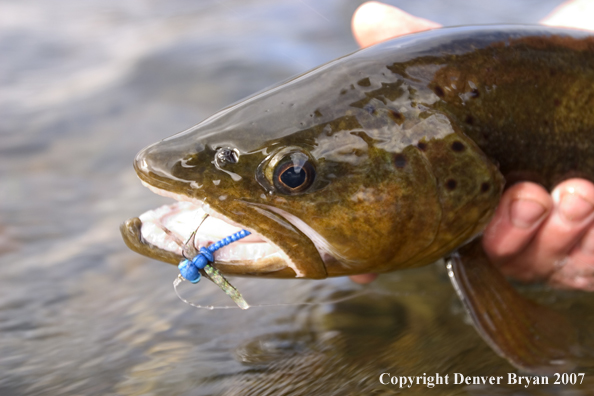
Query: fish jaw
[162,233]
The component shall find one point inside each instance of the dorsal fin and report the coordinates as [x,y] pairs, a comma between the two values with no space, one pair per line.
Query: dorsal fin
[531,337]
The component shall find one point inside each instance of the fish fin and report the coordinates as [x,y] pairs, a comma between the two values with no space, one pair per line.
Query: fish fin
[531,337]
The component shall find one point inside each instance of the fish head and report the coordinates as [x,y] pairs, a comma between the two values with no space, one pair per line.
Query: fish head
[335,180]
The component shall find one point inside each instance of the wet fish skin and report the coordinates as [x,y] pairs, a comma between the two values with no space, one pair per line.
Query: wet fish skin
[404,137]
[412,142]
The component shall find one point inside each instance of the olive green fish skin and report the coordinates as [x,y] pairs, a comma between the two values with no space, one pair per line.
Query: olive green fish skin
[412,141]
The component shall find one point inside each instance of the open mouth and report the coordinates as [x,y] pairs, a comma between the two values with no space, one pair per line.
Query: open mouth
[162,233]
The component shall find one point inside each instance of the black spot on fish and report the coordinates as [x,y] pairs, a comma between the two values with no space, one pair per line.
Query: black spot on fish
[317,113]
[422,146]
[458,146]
[439,91]
[399,161]
[451,184]
[485,187]
[396,116]
[343,91]
[474,93]
[364,82]
[469,120]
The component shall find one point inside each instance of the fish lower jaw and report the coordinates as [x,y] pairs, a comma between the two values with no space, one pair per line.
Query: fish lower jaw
[169,227]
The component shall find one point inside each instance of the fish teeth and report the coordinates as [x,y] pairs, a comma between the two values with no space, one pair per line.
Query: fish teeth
[181,219]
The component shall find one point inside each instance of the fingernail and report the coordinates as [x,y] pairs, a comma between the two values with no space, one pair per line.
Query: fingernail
[524,213]
[574,208]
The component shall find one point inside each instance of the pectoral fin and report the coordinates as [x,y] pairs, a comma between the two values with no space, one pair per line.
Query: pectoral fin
[532,337]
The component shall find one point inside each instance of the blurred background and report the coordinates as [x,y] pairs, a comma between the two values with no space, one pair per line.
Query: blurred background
[84,85]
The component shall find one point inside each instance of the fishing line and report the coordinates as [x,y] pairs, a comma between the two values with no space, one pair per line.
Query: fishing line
[179,280]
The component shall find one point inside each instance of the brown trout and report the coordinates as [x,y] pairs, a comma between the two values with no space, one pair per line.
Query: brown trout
[391,157]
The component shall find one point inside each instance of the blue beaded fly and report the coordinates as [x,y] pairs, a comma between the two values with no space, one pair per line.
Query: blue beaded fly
[190,268]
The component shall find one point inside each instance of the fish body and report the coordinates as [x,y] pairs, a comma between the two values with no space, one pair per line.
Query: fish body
[390,158]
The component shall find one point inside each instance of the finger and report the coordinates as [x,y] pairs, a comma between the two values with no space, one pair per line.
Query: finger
[572,14]
[577,271]
[374,22]
[522,209]
[363,278]
[560,233]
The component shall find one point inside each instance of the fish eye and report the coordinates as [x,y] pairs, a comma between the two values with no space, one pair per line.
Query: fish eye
[293,174]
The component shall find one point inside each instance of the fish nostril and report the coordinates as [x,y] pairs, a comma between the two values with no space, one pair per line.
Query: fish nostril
[225,156]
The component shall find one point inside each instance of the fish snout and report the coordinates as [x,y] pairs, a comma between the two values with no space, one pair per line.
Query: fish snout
[168,162]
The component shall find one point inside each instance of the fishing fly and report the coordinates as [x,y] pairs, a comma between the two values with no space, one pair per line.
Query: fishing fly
[198,263]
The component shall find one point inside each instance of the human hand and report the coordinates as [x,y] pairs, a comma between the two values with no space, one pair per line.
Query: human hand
[533,235]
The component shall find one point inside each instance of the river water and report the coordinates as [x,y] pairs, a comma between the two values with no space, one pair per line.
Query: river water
[83,87]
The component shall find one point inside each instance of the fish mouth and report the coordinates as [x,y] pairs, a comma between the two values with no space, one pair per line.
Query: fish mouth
[161,234]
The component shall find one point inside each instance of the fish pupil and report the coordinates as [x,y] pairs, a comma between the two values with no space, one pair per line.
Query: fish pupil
[294,174]
[293,179]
